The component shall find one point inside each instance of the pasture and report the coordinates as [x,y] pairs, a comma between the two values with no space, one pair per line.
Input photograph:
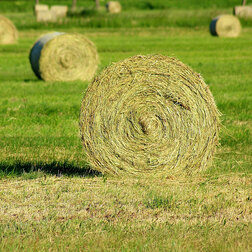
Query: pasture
[50,199]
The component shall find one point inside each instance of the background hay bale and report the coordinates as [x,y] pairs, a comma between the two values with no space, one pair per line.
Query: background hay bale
[45,16]
[8,31]
[225,26]
[149,115]
[64,57]
[113,7]
[243,12]
[60,11]
[41,7]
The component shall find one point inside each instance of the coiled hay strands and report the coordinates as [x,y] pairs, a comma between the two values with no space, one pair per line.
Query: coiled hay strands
[64,57]
[149,115]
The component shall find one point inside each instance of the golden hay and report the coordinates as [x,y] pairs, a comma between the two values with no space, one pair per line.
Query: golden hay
[149,115]
[64,57]
[113,7]
[8,31]
[225,26]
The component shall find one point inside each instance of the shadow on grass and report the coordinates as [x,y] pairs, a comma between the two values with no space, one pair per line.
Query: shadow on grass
[86,12]
[19,168]
[32,80]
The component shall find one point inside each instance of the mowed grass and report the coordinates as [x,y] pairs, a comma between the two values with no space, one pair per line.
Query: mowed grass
[51,199]
[95,214]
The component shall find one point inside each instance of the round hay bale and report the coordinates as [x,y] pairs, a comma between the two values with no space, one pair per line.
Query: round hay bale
[225,26]
[8,31]
[113,7]
[64,57]
[149,115]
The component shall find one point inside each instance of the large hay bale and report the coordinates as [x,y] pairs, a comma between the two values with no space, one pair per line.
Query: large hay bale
[64,57]
[149,115]
[113,7]
[225,26]
[8,31]
[60,11]
[243,12]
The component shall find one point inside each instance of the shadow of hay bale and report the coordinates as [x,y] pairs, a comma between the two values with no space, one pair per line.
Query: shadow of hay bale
[54,168]
[87,12]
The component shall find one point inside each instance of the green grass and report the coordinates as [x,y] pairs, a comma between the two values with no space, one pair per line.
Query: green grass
[53,213]
[22,5]
[191,18]
[143,13]
[51,199]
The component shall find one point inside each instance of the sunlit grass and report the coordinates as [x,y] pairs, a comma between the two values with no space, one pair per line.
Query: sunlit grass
[51,199]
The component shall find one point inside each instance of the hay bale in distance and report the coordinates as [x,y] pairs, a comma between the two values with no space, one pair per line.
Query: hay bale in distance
[149,115]
[8,31]
[60,11]
[243,11]
[225,26]
[41,7]
[45,16]
[64,57]
[113,7]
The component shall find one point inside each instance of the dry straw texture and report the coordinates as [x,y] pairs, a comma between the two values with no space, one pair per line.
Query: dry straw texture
[64,57]
[8,31]
[225,26]
[149,115]
[113,7]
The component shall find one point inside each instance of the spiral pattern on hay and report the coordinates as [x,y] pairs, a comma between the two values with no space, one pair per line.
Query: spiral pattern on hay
[8,31]
[149,115]
[225,26]
[64,57]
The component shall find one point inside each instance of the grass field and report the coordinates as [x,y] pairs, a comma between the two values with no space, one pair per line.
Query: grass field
[24,5]
[50,199]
